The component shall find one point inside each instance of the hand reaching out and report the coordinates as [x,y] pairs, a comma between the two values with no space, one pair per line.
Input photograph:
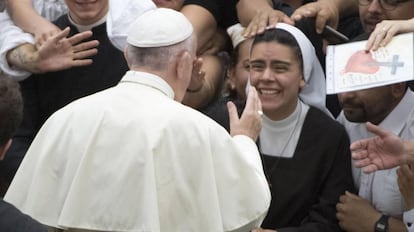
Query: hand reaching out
[384,151]
[264,19]
[385,31]
[59,52]
[324,12]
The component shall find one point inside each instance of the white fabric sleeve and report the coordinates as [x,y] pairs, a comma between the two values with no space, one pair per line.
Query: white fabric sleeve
[11,37]
[50,9]
[121,15]
[408,219]
[251,156]
[249,148]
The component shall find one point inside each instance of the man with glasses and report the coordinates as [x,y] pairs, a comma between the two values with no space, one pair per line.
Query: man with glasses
[379,205]
[373,12]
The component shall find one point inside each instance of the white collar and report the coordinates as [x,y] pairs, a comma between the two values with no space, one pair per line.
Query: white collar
[150,80]
[280,138]
[82,28]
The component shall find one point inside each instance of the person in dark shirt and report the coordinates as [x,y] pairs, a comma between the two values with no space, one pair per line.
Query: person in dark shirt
[11,110]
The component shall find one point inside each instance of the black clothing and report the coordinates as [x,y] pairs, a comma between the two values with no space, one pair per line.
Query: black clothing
[217,110]
[306,187]
[12,220]
[223,11]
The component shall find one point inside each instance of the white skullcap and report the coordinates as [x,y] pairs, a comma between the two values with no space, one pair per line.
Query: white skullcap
[158,28]
[235,33]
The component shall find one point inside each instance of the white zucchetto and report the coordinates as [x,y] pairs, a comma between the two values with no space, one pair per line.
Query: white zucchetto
[158,28]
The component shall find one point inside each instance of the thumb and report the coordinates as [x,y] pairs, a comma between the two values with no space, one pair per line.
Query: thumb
[351,195]
[233,116]
[376,130]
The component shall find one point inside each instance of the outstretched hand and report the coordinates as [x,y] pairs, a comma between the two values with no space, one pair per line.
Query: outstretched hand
[250,122]
[59,52]
[384,151]
[325,13]
[264,19]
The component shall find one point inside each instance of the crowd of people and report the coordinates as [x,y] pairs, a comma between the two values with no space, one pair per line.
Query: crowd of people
[199,115]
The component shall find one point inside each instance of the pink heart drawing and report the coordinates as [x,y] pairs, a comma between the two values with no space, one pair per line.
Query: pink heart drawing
[362,62]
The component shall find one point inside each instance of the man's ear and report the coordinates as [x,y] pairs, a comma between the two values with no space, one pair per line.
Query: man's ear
[126,56]
[4,148]
[184,64]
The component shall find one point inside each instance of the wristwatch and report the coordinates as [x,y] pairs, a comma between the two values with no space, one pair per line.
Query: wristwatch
[382,224]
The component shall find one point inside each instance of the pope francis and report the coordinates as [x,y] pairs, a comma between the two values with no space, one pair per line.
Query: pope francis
[133,158]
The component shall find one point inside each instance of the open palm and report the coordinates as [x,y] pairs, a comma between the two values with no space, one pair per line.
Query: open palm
[384,151]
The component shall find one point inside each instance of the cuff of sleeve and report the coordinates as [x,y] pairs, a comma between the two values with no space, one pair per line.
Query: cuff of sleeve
[408,219]
[17,74]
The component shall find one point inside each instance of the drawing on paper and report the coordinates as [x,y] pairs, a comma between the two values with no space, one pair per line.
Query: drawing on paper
[349,67]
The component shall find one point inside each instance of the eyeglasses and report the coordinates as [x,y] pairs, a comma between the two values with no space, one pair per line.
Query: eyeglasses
[385,4]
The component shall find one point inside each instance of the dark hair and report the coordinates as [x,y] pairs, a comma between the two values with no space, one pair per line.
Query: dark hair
[11,108]
[232,61]
[234,56]
[2,5]
[282,37]
[157,58]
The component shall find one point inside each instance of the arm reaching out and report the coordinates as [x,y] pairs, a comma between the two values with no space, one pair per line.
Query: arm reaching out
[257,15]
[57,53]
[326,12]
[24,16]
[384,151]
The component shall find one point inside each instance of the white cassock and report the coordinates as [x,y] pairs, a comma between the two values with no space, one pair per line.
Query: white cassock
[130,158]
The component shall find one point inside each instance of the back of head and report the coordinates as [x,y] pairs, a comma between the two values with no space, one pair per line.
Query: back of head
[156,36]
[11,108]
